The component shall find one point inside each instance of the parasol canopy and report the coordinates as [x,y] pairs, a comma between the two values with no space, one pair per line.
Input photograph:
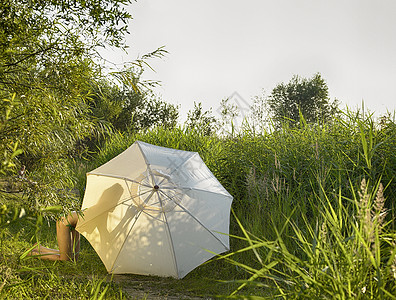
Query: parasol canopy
[155,211]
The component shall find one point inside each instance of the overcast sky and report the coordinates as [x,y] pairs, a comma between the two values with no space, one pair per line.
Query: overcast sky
[219,47]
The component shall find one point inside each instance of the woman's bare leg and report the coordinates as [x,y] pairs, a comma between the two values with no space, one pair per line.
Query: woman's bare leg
[68,238]
[68,241]
[64,239]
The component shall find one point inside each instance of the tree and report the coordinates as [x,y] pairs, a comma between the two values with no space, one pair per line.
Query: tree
[128,110]
[228,114]
[48,58]
[130,104]
[201,120]
[258,113]
[47,42]
[308,97]
[152,112]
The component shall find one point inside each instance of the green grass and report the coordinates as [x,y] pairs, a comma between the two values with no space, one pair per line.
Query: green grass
[349,253]
[31,278]
[289,187]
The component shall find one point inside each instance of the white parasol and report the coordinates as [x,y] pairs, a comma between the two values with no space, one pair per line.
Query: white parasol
[155,211]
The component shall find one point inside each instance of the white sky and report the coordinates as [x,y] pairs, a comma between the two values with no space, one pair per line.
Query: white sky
[220,47]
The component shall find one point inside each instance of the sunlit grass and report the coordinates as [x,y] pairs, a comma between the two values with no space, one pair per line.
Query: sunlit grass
[300,219]
[24,277]
[349,252]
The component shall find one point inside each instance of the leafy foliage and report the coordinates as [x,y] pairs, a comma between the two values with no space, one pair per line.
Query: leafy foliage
[201,120]
[47,51]
[49,44]
[129,110]
[301,96]
[54,95]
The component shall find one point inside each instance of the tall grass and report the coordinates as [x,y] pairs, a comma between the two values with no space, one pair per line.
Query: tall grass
[302,183]
[297,208]
[344,255]
[279,174]
[274,172]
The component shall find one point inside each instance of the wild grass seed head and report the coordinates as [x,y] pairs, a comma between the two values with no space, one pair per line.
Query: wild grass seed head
[323,232]
[364,214]
[379,211]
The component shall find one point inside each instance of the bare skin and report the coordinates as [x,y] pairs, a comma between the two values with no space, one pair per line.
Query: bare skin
[68,241]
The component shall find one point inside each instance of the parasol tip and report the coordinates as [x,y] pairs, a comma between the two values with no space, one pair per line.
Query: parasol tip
[156,187]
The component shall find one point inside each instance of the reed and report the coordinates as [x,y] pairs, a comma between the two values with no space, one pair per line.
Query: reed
[348,253]
[313,213]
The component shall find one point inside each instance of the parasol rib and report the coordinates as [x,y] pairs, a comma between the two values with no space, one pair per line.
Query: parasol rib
[133,225]
[178,167]
[119,177]
[196,219]
[118,203]
[196,189]
[122,246]
[170,239]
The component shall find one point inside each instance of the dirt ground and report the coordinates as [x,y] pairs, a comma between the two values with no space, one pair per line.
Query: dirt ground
[146,288]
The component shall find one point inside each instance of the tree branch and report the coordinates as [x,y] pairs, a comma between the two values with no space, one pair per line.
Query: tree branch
[29,55]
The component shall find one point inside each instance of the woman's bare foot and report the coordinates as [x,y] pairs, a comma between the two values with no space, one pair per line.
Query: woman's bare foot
[44,253]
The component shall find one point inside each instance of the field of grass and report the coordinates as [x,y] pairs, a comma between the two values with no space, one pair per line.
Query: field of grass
[313,217]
